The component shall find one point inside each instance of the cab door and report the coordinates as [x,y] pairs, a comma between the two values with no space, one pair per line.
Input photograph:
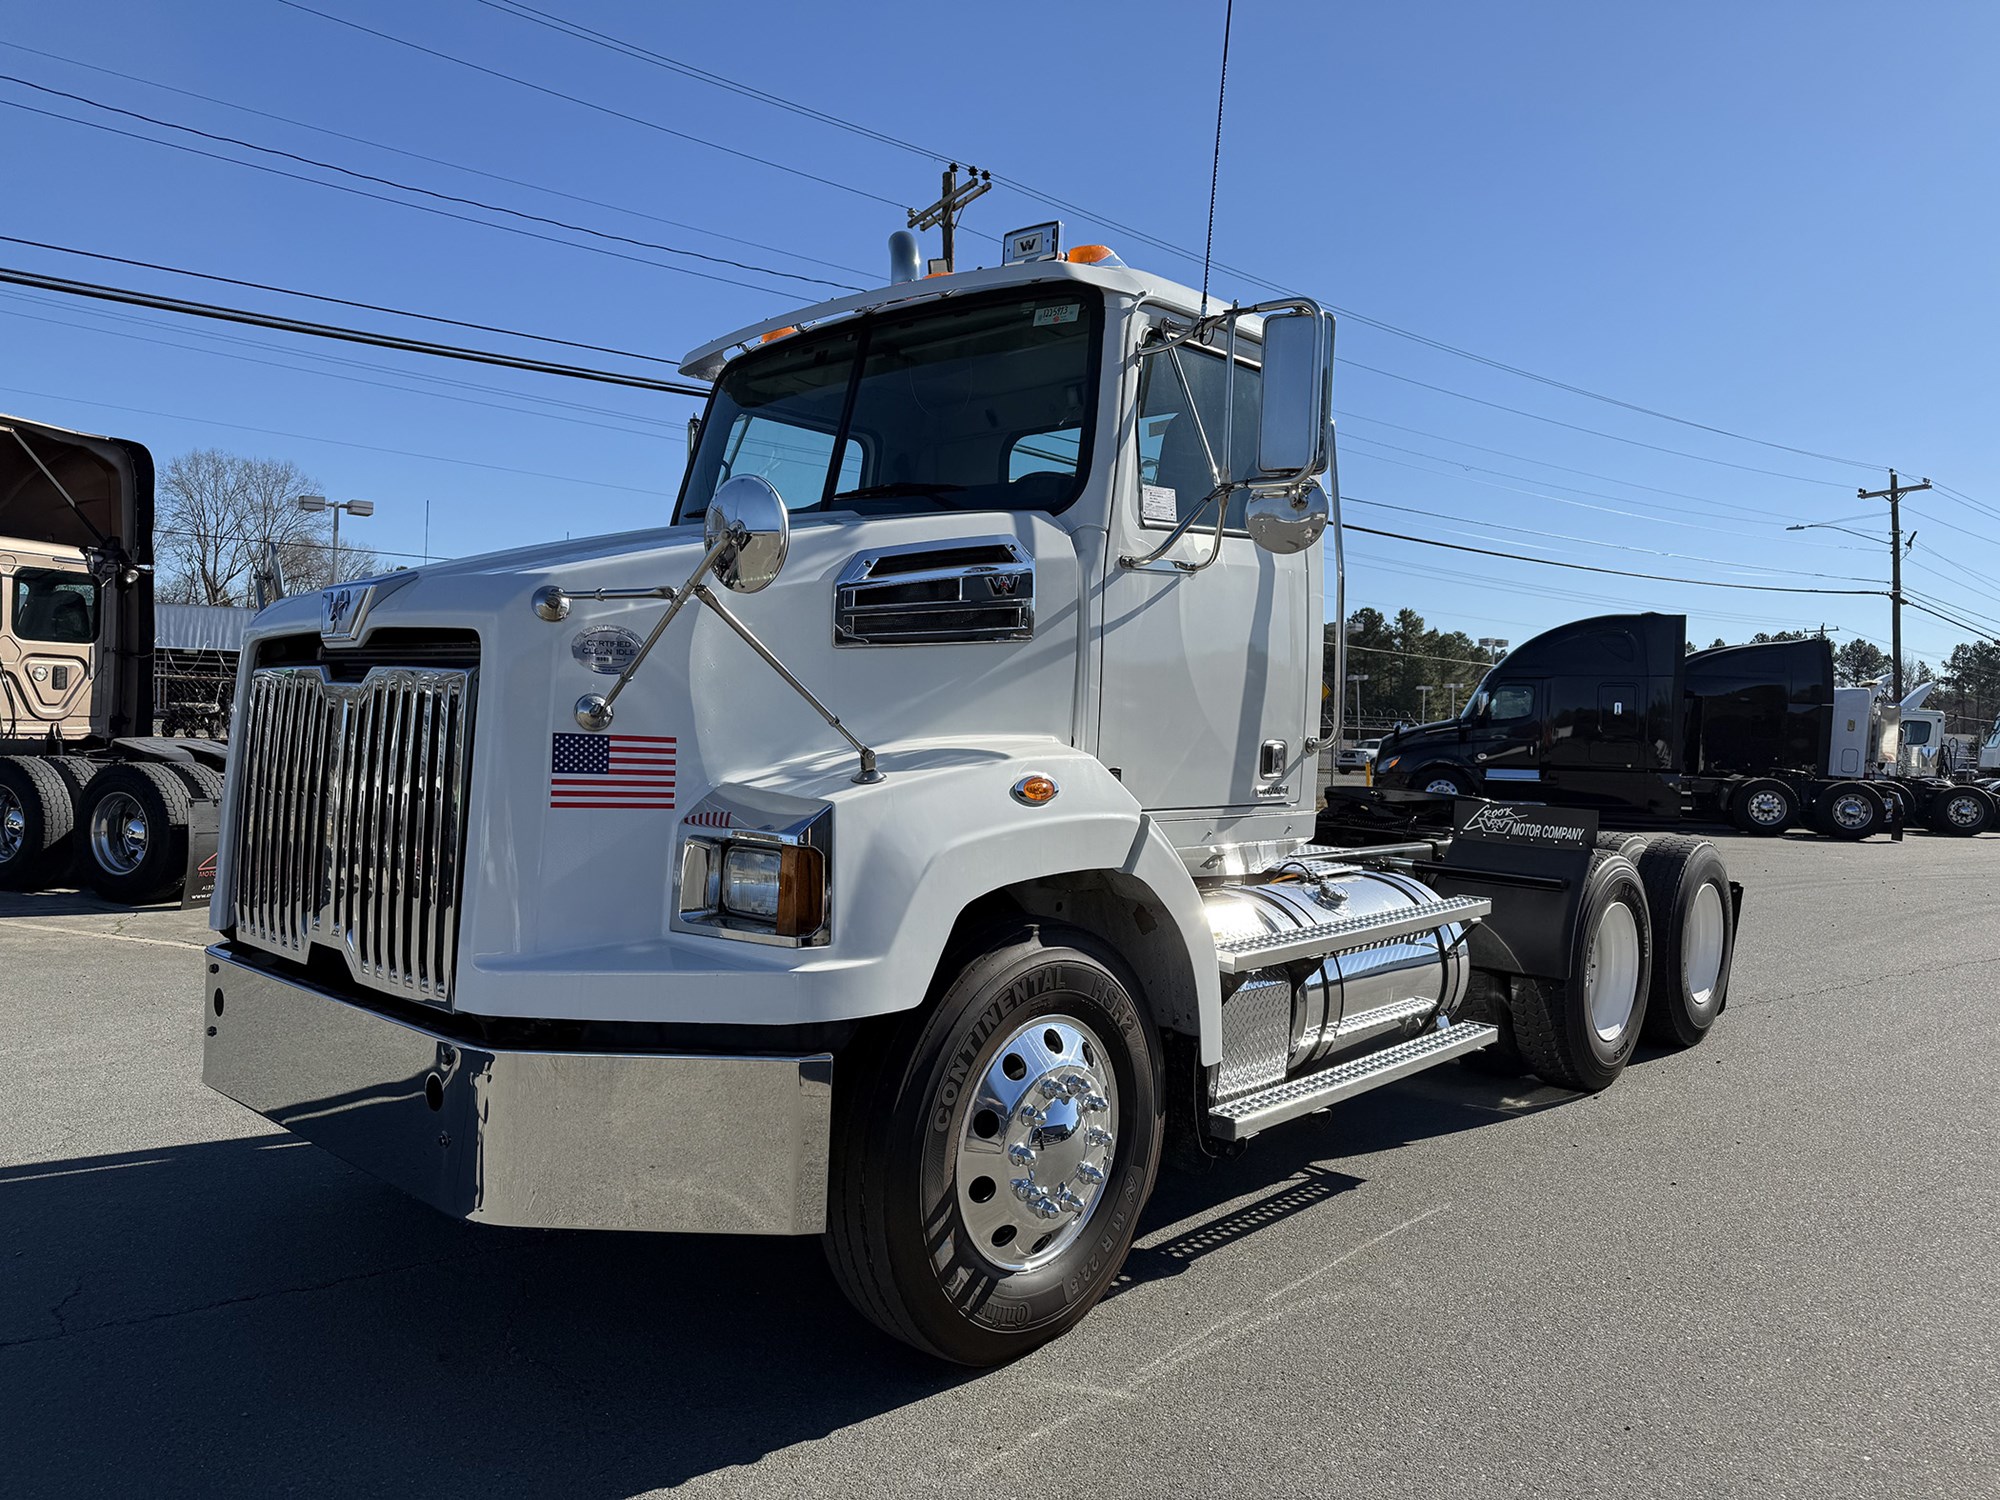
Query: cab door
[1209,680]
[1509,756]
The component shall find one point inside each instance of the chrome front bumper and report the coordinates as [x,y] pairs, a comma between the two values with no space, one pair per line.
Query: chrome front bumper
[572,1140]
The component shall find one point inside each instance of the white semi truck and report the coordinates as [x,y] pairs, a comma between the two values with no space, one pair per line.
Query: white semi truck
[911,842]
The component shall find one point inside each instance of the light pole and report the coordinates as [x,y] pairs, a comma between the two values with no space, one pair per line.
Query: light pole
[1492,647]
[1456,689]
[1357,678]
[1424,702]
[316,503]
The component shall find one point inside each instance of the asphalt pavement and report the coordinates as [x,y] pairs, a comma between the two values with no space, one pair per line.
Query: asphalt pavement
[1764,1267]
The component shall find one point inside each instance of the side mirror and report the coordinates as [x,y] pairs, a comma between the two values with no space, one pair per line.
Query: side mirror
[1286,521]
[1297,399]
[750,512]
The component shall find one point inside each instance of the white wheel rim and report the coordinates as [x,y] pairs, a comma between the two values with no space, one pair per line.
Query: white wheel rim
[1036,1140]
[1702,942]
[1442,784]
[1767,808]
[1611,972]
[1964,812]
[1853,810]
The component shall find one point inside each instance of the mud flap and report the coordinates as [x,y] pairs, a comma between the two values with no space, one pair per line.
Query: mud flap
[1530,861]
[204,823]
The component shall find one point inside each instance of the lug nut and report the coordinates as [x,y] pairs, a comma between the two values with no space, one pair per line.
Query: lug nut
[1045,1207]
[1021,1154]
[1075,1083]
[1093,1104]
[1029,1115]
[1097,1135]
[1025,1189]
[1066,1199]
[1053,1088]
[1090,1173]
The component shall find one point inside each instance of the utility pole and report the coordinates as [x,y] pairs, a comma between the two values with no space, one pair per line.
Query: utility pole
[945,212]
[1894,495]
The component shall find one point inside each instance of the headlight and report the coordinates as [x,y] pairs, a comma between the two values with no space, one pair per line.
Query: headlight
[767,888]
[750,881]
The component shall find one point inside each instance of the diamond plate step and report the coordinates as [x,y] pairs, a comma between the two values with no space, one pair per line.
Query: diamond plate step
[1241,1118]
[1260,950]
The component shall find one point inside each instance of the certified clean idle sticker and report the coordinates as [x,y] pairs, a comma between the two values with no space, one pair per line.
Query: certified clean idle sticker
[1159,502]
[1065,313]
[605,648]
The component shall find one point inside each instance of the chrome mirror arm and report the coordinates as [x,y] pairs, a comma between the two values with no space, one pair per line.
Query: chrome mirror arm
[867,774]
[593,710]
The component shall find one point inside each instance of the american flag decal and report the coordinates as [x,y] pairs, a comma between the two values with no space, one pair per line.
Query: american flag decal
[611,770]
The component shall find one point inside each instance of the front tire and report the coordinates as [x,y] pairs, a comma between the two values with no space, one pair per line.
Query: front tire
[992,1151]
[1445,782]
[1579,1033]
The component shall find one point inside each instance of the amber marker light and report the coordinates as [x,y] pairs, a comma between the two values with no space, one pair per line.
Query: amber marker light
[1035,790]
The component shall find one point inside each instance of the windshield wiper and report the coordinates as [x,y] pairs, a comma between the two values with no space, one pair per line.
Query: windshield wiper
[902,489]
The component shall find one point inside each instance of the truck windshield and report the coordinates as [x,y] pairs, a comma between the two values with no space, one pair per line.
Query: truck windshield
[985,404]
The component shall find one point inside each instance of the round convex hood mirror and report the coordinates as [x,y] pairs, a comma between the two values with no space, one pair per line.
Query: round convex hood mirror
[747,509]
[1285,523]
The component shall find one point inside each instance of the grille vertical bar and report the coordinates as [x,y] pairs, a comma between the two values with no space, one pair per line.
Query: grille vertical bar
[351,826]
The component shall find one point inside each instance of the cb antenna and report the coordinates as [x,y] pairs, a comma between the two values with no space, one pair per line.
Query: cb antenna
[1215,166]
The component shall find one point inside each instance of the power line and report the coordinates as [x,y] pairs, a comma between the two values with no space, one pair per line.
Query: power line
[652,492]
[346,335]
[386,385]
[409,187]
[578,31]
[422,208]
[285,291]
[1550,562]
[603,109]
[1559,536]
[1354,364]
[436,161]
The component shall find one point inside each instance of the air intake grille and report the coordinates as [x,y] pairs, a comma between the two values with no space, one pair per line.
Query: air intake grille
[350,827]
[982,590]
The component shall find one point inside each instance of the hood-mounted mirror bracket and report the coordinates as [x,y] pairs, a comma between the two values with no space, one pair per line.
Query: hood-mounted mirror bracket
[747,531]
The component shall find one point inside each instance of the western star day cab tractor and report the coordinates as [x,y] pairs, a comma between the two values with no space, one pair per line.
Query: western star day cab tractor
[911,843]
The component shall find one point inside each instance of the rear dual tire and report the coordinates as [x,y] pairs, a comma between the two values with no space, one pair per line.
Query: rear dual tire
[132,832]
[1694,938]
[36,822]
[1849,811]
[1961,812]
[1579,1032]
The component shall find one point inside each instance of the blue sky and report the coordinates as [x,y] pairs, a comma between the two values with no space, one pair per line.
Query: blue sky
[1777,220]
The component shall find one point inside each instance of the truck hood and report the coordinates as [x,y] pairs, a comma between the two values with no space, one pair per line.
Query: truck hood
[725,718]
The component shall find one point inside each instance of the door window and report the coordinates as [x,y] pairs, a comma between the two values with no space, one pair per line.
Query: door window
[1513,702]
[1173,460]
[51,604]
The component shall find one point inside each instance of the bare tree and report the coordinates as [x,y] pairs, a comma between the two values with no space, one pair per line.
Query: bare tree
[216,512]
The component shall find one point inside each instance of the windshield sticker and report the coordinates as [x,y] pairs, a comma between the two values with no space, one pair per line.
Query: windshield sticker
[1158,502]
[1067,313]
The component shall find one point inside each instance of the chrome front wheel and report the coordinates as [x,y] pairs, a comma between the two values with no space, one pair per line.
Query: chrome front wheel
[1035,1143]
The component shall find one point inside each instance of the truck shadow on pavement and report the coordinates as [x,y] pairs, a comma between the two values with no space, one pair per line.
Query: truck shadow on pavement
[251,1316]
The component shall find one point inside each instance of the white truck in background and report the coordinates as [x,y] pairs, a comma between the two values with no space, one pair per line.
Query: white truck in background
[912,842]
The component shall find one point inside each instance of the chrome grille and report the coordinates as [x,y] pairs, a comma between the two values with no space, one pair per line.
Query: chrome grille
[350,825]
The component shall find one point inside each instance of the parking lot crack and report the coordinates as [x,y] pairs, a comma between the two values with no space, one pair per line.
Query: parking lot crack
[65,1331]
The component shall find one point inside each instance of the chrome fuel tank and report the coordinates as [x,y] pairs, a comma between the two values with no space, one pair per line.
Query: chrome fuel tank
[1272,1027]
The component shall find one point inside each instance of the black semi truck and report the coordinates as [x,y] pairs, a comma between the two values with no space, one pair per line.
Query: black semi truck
[1613,713]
